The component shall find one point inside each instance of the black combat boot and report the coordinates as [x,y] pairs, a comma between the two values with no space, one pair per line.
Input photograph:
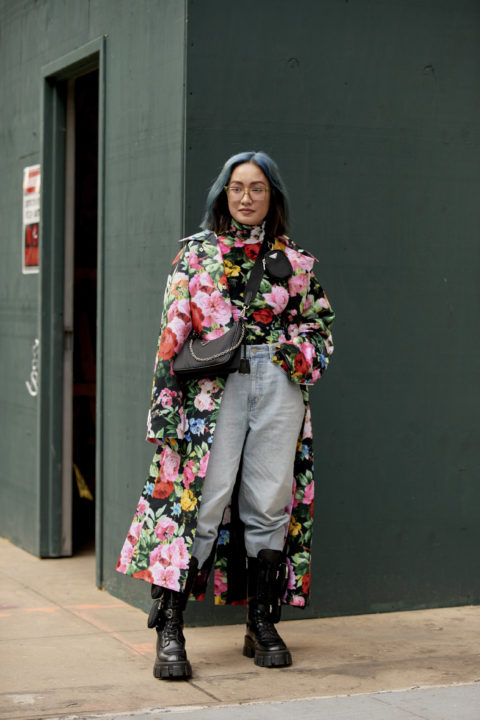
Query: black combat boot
[267,582]
[166,616]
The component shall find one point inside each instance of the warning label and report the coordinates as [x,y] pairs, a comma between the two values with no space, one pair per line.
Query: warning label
[31,218]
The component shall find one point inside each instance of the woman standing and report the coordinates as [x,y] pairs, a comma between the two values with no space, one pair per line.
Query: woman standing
[232,475]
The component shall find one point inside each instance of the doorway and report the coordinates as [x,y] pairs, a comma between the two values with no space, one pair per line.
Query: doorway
[71,292]
[83,95]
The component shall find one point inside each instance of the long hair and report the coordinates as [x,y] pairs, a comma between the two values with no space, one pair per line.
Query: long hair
[217,215]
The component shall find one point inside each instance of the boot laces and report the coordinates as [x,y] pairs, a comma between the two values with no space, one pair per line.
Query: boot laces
[266,629]
[172,627]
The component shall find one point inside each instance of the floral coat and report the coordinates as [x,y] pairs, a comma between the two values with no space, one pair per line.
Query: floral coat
[183,414]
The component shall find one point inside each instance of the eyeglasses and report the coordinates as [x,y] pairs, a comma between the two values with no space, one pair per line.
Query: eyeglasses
[237,192]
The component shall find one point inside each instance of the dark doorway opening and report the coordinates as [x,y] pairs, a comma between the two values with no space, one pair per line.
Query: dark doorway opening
[85,89]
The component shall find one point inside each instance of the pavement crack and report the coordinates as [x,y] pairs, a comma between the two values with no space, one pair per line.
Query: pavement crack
[210,695]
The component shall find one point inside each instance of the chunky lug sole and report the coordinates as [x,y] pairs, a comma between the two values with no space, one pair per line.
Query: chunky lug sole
[181,669]
[266,658]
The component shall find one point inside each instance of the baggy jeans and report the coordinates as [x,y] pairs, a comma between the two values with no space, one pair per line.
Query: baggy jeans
[259,421]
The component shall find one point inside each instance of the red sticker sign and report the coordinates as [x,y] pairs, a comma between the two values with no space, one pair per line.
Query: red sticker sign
[31,219]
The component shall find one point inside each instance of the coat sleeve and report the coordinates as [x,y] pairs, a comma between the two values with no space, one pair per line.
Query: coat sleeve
[165,418]
[308,345]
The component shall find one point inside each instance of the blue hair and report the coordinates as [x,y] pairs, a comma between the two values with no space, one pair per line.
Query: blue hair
[217,216]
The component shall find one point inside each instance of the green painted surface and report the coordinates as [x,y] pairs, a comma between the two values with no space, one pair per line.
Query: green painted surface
[372,111]
[142,211]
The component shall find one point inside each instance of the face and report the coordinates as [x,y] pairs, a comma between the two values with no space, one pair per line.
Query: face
[248,208]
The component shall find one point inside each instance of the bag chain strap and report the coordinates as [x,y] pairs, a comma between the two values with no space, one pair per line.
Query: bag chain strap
[224,352]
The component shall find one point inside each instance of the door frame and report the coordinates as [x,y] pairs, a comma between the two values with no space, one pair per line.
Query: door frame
[52,522]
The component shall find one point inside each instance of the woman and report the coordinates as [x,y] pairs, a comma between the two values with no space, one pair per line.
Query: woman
[232,473]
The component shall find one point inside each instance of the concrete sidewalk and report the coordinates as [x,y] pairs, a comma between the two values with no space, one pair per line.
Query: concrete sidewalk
[459,702]
[71,651]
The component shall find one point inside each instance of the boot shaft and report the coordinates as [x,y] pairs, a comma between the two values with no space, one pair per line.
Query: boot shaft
[267,583]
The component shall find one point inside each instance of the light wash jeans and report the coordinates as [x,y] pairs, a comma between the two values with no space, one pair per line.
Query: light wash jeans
[260,418]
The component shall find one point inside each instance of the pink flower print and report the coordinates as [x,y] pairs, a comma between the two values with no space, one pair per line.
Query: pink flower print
[126,554]
[178,554]
[166,397]
[299,261]
[122,566]
[200,300]
[173,554]
[236,313]
[202,471]
[201,283]
[291,576]
[125,559]
[193,261]
[203,401]
[224,248]
[277,299]
[221,311]
[208,386]
[299,601]
[219,582]
[298,284]
[156,556]
[169,464]
[308,494]
[188,474]
[165,528]
[295,330]
[142,507]
[181,329]
[315,374]
[215,310]
[307,425]
[134,532]
[308,351]
[213,334]
[179,309]
[167,577]
[182,426]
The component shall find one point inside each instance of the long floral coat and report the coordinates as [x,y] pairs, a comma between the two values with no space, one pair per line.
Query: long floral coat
[182,421]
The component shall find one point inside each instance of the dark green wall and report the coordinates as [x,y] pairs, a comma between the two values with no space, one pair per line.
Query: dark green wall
[372,111]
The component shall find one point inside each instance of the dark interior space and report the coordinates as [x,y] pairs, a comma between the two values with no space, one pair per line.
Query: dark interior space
[85,311]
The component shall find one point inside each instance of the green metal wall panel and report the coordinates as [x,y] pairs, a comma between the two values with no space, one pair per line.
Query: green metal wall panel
[372,111]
